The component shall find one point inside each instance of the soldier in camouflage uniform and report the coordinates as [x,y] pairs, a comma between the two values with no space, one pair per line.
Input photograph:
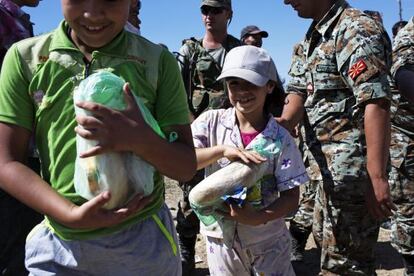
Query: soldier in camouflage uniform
[301,224]
[201,61]
[339,79]
[402,146]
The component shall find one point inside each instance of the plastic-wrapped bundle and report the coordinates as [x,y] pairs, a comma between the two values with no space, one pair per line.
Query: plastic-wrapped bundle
[230,182]
[123,174]
[209,194]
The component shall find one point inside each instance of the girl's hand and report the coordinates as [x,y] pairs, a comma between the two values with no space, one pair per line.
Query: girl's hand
[247,214]
[111,128]
[92,215]
[233,153]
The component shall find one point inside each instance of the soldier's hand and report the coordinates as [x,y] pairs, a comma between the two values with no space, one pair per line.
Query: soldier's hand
[378,199]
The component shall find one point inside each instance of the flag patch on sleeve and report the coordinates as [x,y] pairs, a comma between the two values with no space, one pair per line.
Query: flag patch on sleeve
[357,69]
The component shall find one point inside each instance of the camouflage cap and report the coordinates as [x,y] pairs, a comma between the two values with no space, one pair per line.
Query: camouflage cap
[217,3]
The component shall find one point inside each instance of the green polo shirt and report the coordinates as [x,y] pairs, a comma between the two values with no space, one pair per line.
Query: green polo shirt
[36,92]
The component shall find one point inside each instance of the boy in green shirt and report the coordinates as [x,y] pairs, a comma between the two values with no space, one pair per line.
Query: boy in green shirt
[36,95]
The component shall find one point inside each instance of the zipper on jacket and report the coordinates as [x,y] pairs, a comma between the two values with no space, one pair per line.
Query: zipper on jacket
[87,67]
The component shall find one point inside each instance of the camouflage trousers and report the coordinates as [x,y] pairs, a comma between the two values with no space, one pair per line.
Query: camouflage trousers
[402,190]
[344,229]
[188,224]
[302,221]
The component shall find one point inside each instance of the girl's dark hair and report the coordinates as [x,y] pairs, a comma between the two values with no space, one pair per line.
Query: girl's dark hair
[276,100]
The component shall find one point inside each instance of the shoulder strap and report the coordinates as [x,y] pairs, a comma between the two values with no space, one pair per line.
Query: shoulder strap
[231,42]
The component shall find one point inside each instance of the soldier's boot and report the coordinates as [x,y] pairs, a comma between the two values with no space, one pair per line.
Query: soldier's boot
[187,247]
[299,239]
[408,264]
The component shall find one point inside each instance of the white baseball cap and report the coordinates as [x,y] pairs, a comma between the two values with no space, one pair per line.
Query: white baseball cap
[250,63]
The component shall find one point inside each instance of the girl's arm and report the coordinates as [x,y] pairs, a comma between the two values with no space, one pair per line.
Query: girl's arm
[207,156]
[285,204]
[24,184]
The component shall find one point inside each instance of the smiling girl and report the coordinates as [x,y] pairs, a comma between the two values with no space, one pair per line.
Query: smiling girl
[252,239]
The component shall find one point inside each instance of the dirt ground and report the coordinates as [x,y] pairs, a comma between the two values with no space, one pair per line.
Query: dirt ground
[388,261]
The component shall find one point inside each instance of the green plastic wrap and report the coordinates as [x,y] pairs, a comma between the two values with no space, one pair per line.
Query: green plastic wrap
[209,195]
[123,174]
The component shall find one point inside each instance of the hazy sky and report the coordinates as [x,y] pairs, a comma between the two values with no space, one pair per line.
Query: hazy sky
[170,21]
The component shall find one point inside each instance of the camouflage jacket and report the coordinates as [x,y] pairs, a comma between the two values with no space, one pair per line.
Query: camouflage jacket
[200,68]
[342,63]
[402,111]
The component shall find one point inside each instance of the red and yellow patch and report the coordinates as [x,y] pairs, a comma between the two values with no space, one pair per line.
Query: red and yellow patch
[357,69]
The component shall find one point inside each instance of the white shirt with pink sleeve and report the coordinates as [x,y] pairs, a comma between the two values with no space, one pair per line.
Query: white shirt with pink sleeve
[285,170]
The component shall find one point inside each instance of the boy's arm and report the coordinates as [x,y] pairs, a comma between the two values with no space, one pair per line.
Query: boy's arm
[207,156]
[25,185]
[377,132]
[127,131]
[175,160]
[20,181]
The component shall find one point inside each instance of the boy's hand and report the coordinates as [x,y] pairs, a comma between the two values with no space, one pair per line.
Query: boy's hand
[233,153]
[111,128]
[92,215]
[246,214]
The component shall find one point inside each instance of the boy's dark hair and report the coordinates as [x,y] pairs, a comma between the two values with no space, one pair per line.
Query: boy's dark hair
[275,101]
[397,26]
